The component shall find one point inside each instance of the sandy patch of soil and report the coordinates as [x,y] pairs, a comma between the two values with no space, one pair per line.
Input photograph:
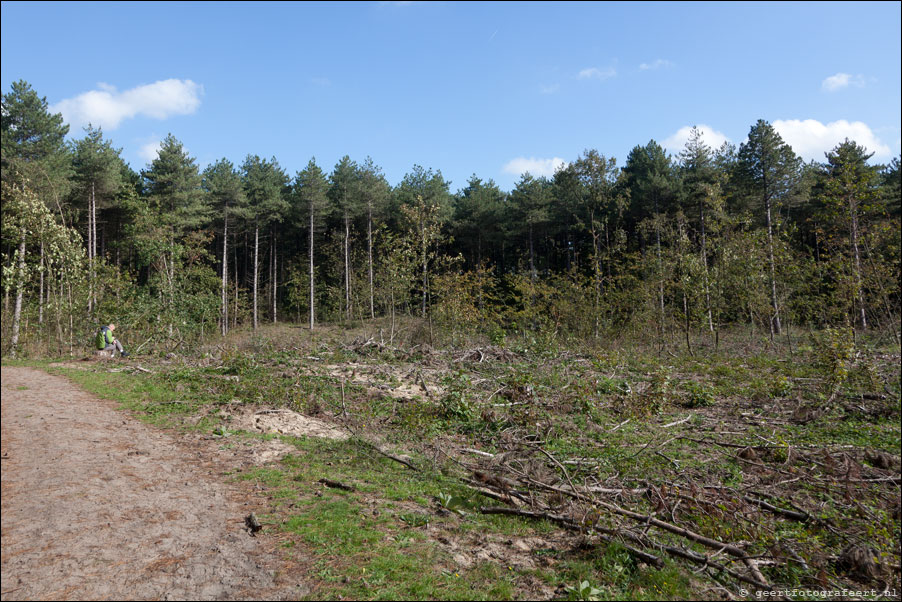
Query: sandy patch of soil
[96,505]
[402,382]
[281,421]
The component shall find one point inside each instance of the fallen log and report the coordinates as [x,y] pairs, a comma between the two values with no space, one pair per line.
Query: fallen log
[336,485]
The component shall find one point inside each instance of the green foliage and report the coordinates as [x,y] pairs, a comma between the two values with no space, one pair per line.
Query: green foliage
[44,251]
[33,145]
[650,400]
[668,251]
[834,351]
[584,591]
[454,503]
[466,305]
[697,395]
[456,403]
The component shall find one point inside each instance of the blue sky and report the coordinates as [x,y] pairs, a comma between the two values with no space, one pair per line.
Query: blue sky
[485,88]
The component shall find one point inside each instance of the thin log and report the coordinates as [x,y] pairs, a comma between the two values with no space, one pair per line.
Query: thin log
[475,486]
[336,485]
[625,422]
[397,459]
[571,524]
[681,421]
[477,452]
[691,535]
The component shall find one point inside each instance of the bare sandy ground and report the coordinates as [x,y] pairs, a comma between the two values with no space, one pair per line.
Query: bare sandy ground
[98,506]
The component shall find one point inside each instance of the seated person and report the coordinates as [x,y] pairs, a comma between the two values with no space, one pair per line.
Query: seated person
[107,342]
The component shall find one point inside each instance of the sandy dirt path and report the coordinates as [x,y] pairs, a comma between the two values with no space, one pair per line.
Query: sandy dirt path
[96,505]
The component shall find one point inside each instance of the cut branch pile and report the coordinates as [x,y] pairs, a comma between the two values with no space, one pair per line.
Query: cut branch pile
[726,531]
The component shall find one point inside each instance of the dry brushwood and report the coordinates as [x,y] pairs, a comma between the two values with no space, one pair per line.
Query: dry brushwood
[503,476]
[860,562]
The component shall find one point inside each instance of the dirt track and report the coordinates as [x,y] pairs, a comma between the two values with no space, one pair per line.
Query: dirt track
[97,505]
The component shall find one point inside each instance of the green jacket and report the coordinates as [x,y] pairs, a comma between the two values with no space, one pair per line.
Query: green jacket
[104,337]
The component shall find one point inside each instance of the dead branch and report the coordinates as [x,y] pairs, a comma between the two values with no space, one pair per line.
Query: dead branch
[571,524]
[507,499]
[676,422]
[477,452]
[691,535]
[336,485]
[619,425]
[397,459]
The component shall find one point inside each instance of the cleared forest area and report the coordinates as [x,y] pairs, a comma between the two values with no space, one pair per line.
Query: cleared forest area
[533,470]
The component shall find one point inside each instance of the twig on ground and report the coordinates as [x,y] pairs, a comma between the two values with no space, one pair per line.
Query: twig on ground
[676,422]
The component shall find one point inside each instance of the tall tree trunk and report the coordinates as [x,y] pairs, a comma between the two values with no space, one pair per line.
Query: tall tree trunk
[41,290]
[347,266]
[532,256]
[20,289]
[170,276]
[225,272]
[369,236]
[71,311]
[660,267]
[597,273]
[391,338]
[857,255]
[91,249]
[425,260]
[311,266]
[704,258]
[275,278]
[94,245]
[775,320]
[688,324]
[256,269]
[59,314]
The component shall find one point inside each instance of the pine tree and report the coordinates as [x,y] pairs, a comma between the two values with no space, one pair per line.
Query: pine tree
[478,220]
[425,202]
[697,167]
[597,209]
[345,195]
[769,169]
[223,183]
[851,189]
[312,205]
[648,175]
[530,202]
[374,194]
[264,187]
[98,179]
[179,203]
[33,146]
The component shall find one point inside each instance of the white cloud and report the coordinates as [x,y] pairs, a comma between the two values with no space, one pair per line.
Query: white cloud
[550,89]
[595,73]
[658,64]
[810,138]
[536,167]
[842,80]
[710,136]
[150,150]
[107,107]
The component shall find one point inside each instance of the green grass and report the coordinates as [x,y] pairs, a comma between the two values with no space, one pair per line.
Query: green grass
[383,540]
[151,398]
